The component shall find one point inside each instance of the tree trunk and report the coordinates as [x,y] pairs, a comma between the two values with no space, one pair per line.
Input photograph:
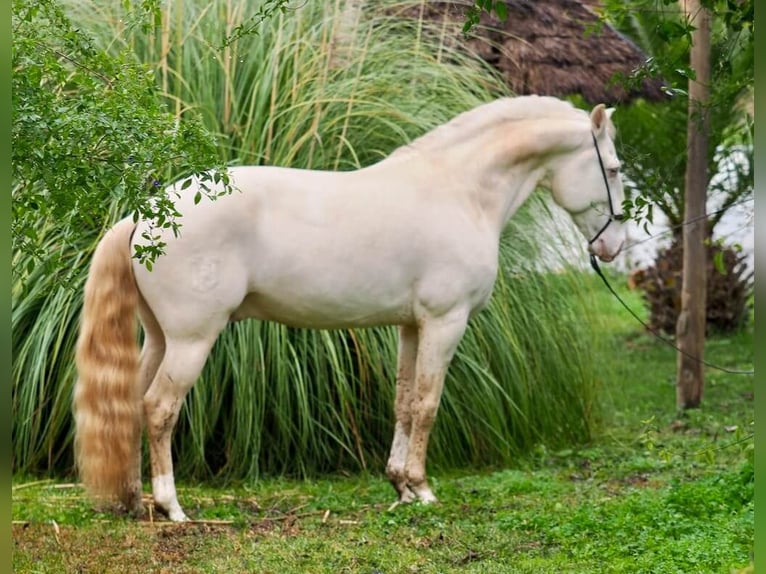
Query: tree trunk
[690,329]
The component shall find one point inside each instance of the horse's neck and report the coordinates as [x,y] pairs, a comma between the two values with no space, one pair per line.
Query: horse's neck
[503,165]
[500,197]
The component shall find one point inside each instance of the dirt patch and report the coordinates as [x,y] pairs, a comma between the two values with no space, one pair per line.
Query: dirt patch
[91,548]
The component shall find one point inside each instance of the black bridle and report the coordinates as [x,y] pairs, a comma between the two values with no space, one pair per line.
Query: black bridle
[612,215]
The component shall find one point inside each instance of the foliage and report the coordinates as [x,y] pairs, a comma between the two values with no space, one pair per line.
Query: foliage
[273,399]
[473,12]
[729,288]
[89,131]
[655,155]
[252,25]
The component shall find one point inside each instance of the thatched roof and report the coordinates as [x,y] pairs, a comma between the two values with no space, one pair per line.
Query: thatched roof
[548,47]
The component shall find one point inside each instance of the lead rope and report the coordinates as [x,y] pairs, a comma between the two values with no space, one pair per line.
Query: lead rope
[597,269]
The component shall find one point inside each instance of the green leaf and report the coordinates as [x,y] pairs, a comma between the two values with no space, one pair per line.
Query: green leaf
[718,262]
[501,10]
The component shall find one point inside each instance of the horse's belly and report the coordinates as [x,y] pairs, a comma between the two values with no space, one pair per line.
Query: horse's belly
[310,311]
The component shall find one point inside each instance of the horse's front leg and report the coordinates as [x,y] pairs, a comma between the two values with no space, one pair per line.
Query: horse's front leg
[405,379]
[437,341]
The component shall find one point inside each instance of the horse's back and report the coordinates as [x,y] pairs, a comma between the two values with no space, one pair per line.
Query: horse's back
[306,248]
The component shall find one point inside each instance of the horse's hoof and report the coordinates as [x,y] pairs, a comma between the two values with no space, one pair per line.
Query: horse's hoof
[133,503]
[407,496]
[174,513]
[178,516]
[424,494]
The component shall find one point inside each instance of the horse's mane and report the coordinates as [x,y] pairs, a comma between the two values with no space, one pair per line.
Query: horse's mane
[489,115]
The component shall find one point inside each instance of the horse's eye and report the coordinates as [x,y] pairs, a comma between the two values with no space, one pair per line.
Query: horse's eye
[613,171]
[619,217]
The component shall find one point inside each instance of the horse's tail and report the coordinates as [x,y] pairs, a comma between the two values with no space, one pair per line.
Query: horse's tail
[107,403]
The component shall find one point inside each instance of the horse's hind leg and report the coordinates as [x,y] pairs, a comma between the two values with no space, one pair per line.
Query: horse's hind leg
[405,379]
[179,369]
[152,352]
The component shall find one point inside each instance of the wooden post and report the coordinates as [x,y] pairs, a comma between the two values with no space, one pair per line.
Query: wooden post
[690,329]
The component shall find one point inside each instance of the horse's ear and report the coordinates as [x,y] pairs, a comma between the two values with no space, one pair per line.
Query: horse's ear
[599,117]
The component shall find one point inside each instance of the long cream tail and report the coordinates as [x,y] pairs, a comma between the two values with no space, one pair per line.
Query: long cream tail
[107,402]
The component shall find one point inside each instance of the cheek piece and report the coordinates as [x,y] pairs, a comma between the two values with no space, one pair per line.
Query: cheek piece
[612,215]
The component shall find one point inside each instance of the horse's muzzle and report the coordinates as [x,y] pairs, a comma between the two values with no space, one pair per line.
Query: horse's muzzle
[600,250]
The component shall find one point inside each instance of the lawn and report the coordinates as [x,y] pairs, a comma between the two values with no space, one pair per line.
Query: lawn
[656,491]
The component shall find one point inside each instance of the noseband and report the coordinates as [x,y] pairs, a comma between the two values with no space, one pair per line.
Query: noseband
[612,215]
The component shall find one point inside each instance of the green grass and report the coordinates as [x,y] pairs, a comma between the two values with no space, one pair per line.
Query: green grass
[510,521]
[656,491]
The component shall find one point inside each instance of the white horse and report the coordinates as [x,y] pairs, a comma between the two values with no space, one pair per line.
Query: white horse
[410,241]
